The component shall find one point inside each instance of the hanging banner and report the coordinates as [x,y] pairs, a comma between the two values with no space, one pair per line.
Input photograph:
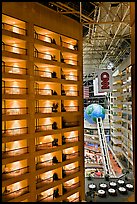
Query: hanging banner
[105,80]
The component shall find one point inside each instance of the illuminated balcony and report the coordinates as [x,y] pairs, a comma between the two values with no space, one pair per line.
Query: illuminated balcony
[41,182]
[14,49]
[66,124]
[71,77]
[45,53]
[14,90]
[69,58]
[70,171]
[69,90]
[69,45]
[12,174]
[14,70]
[70,187]
[48,198]
[40,128]
[45,145]
[44,38]
[71,108]
[14,152]
[45,74]
[9,195]
[44,92]
[70,156]
[14,111]
[14,28]
[15,131]
[46,163]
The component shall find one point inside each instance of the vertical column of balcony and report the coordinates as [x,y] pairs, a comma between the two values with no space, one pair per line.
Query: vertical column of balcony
[80,104]
[31,108]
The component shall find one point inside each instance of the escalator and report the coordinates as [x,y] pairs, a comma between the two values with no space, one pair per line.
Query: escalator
[104,148]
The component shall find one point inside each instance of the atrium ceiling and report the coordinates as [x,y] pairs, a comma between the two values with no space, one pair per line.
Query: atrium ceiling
[106,32]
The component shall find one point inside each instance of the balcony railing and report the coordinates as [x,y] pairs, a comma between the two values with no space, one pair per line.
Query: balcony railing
[15,131]
[43,164]
[43,146]
[8,195]
[71,93]
[43,73]
[14,29]
[43,91]
[72,171]
[70,124]
[42,37]
[43,55]
[72,155]
[14,49]
[43,110]
[10,174]
[71,62]
[71,108]
[71,77]
[68,45]
[14,152]
[40,128]
[71,187]
[48,198]
[41,182]
[14,70]
[72,139]
[76,199]
[14,111]
[14,90]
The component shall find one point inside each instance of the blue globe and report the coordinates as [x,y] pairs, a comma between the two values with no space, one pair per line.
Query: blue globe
[94,111]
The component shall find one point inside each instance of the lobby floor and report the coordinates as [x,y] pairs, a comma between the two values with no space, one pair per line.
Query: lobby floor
[129,197]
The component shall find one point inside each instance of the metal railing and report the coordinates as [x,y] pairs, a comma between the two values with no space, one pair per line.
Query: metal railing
[67,45]
[71,93]
[42,37]
[14,49]
[71,171]
[43,146]
[71,77]
[43,127]
[71,108]
[15,131]
[9,174]
[14,111]
[45,163]
[14,70]
[8,195]
[72,139]
[14,152]
[72,155]
[14,90]
[71,187]
[13,28]
[43,91]
[43,73]
[71,61]
[70,124]
[41,198]
[43,110]
[41,182]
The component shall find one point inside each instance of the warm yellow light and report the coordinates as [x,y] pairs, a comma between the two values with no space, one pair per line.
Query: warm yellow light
[47,56]
[15,48]
[70,166]
[72,134]
[16,186]
[71,47]
[47,39]
[15,29]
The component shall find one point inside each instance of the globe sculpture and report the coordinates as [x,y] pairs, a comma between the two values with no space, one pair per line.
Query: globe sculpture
[94,111]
